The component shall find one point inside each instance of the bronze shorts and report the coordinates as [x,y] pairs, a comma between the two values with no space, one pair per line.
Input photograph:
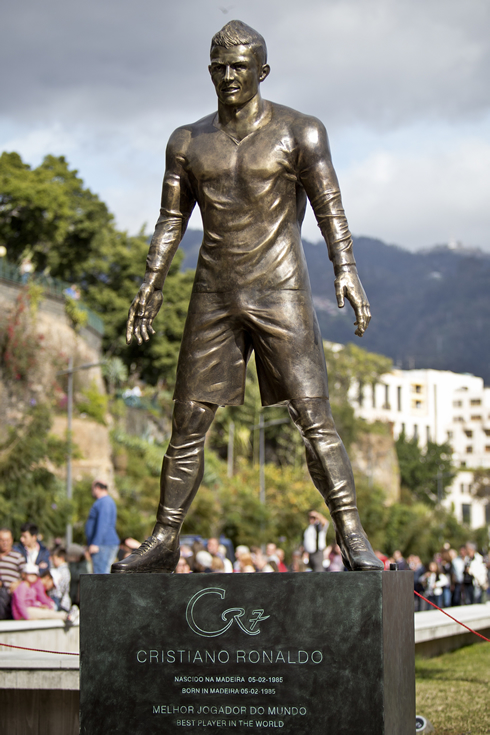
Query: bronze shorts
[220,333]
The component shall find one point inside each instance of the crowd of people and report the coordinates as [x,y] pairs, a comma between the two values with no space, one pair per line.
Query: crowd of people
[41,583]
[450,578]
[37,583]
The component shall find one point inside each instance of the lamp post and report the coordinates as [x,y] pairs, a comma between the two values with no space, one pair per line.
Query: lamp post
[262,425]
[69,442]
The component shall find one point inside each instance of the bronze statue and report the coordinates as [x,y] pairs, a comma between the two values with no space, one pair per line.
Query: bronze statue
[250,167]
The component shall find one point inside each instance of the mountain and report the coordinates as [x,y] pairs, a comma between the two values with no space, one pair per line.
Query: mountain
[431,309]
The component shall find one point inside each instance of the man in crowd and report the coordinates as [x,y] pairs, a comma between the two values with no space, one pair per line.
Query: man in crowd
[276,556]
[11,565]
[315,540]
[250,167]
[457,575]
[100,529]
[214,549]
[476,577]
[418,572]
[33,551]
[400,562]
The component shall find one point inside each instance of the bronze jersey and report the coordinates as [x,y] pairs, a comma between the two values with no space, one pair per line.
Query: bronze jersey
[252,197]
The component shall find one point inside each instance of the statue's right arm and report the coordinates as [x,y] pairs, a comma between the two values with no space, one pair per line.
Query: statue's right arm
[176,208]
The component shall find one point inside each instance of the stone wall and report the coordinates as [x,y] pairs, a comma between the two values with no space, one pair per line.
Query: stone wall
[93,442]
[84,346]
[374,455]
[61,342]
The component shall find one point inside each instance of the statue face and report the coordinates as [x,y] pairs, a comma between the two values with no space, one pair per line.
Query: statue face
[236,74]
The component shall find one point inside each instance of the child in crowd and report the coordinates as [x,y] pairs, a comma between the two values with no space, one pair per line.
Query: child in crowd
[30,601]
[60,573]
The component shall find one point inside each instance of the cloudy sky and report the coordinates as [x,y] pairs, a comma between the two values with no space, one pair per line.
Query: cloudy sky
[403,87]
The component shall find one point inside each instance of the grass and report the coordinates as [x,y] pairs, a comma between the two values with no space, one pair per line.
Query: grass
[453,691]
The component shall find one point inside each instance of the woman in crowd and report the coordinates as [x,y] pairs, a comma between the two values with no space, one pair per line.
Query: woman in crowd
[30,601]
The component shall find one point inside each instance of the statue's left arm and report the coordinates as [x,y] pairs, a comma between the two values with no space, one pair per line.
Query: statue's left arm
[318,177]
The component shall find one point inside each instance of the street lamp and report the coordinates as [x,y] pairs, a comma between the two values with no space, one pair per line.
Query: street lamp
[69,443]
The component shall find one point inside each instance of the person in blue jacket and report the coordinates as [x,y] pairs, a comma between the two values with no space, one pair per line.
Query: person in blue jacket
[100,529]
[31,548]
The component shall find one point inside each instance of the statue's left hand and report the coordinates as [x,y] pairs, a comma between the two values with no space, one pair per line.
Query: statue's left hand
[348,285]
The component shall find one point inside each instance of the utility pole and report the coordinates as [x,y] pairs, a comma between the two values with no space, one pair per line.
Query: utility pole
[261,426]
[69,448]
[262,458]
[440,482]
[231,443]
[69,438]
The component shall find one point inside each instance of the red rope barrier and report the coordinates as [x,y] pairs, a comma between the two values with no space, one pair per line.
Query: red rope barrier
[40,650]
[450,616]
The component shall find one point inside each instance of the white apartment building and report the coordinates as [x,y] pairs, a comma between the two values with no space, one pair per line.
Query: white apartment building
[440,406]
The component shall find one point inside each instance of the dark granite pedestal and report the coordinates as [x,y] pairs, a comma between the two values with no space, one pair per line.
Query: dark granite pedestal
[308,654]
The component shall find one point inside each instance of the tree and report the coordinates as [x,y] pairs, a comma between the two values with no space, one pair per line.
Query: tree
[47,212]
[352,364]
[283,444]
[425,472]
[110,282]
[481,483]
[68,233]
[29,488]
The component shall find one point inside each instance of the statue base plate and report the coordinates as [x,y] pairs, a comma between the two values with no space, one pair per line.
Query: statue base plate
[308,654]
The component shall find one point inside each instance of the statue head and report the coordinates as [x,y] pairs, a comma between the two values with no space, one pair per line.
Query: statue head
[238,63]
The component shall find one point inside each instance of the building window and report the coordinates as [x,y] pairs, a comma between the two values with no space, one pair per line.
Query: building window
[415,431]
[462,463]
[457,404]
[373,389]
[399,397]
[468,433]
[449,434]
[461,487]
[403,428]
[360,395]
[477,418]
[387,397]
[487,449]
[487,432]
[458,419]
[427,433]
[466,513]
[469,449]
[475,402]
[487,514]
[417,405]
[417,388]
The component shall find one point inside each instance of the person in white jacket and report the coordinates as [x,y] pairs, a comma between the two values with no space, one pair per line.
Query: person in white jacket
[477,570]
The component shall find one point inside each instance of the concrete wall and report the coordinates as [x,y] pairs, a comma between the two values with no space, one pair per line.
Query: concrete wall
[51,635]
[374,455]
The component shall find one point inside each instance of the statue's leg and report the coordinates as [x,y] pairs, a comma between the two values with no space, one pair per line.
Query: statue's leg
[182,471]
[331,472]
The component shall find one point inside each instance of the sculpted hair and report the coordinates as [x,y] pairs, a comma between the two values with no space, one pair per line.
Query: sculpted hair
[236,33]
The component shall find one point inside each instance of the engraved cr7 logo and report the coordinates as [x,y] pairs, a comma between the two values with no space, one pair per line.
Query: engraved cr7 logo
[229,616]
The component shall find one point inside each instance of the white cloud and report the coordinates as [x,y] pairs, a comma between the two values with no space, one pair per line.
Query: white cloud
[104,83]
[418,200]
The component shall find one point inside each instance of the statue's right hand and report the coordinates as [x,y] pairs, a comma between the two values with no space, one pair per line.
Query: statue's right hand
[142,312]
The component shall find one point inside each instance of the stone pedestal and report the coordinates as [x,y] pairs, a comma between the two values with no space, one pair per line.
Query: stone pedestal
[308,654]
